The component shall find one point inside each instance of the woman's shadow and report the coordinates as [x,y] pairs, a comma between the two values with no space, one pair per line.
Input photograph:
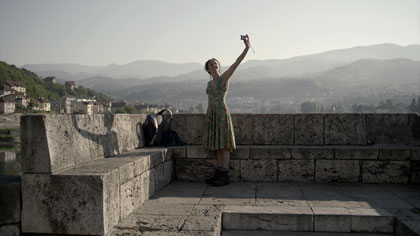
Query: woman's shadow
[108,141]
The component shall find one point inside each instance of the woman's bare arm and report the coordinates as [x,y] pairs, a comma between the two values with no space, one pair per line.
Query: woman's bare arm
[227,74]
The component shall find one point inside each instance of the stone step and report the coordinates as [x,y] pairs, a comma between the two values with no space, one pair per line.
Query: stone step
[307,219]
[277,233]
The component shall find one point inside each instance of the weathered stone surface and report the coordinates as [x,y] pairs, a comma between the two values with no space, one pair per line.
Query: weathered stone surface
[190,128]
[387,129]
[371,220]
[241,152]
[160,177]
[407,227]
[10,230]
[236,193]
[205,223]
[136,131]
[356,153]
[267,218]
[127,198]
[197,151]
[296,170]
[394,153]
[9,199]
[243,128]
[415,154]
[259,170]
[414,128]
[162,208]
[234,170]
[312,153]
[270,152]
[147,186]
[126,172]
[337,171]
[345,129]
[386,171]
[273,129]
[415,172]
[194,169]
[64,204]
[169,171]
[331,219]
[179,152]
[141,165]
[309,129]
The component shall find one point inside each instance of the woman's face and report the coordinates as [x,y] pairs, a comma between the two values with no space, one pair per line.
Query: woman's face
[213,66]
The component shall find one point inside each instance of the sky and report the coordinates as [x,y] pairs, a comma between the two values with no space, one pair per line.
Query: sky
[102,32]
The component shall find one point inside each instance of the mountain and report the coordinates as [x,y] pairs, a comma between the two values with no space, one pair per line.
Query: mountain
[138,69]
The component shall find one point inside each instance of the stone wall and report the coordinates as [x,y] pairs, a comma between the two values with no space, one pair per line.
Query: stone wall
[10,205]
[367,148]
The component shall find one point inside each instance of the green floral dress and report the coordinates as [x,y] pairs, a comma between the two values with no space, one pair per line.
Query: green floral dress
[218,133]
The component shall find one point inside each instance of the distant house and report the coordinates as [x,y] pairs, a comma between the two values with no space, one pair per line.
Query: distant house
[70,85]
[106,106]
[84,108]
[23,101]
[51,80]
[18,88]
[40,104]
[116,105]
[146,108]
[97,108]
[7,105]
[5,90]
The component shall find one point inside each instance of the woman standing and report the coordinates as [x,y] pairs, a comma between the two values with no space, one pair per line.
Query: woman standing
[218,133]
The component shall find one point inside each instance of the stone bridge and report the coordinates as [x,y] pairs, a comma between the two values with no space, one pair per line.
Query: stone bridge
[85,174]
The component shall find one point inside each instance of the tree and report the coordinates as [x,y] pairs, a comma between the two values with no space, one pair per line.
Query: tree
[120,110]
[191,109]
[130,109]
[307,107]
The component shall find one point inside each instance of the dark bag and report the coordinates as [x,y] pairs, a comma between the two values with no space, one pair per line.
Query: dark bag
[157,130]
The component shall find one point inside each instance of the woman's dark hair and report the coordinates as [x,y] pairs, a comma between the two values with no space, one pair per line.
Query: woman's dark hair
[206,66]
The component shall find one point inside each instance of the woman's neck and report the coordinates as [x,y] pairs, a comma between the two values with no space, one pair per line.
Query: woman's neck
[215,75]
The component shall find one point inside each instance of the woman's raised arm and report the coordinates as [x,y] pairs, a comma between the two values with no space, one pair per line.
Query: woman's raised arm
[227,74]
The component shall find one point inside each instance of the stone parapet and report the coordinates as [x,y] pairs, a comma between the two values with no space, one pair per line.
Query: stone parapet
[328,163]
[10,205]
[309,129]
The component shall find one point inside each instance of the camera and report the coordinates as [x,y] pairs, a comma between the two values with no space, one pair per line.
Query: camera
[243,37]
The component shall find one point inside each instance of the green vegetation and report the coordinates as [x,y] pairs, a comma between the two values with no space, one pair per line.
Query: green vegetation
[36,87]
[127,109]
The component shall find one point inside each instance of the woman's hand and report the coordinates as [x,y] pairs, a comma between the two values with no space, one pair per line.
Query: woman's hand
[246,41]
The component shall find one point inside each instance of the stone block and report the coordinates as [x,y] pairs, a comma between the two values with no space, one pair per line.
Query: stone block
[243,128]
[273,129]
[126,172]
[241,152]
[179,152]
[141,165]
[70,204]
[371,220]
[415,154]
[331,219]
[397,172]
[311,152]
[259,170]
[146,186]
[194,169]
[136,131]
[269,152]
[190,127]
[10,230]
[387,129]
[160,177]
[267,218]
[345,129]
[202,223]
[309,129]
[169,171]
[127,197]
[347,171]
[196,151]
[152,182]
[296,170]
[9,199]
[406,227]
[356,153]
[415,172]
[394,153]
[414,128]
[234,170]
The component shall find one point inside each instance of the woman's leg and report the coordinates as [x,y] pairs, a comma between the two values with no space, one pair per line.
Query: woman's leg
[219,158]
[225,158]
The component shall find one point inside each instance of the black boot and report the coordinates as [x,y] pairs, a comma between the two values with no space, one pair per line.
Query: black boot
[223,179]
[214,178]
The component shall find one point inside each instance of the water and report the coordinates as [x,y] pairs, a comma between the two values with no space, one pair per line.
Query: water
[10,162]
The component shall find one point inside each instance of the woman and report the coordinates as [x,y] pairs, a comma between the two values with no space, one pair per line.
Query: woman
[218,134]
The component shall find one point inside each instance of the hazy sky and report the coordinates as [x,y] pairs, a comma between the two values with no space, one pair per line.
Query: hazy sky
[98,32]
